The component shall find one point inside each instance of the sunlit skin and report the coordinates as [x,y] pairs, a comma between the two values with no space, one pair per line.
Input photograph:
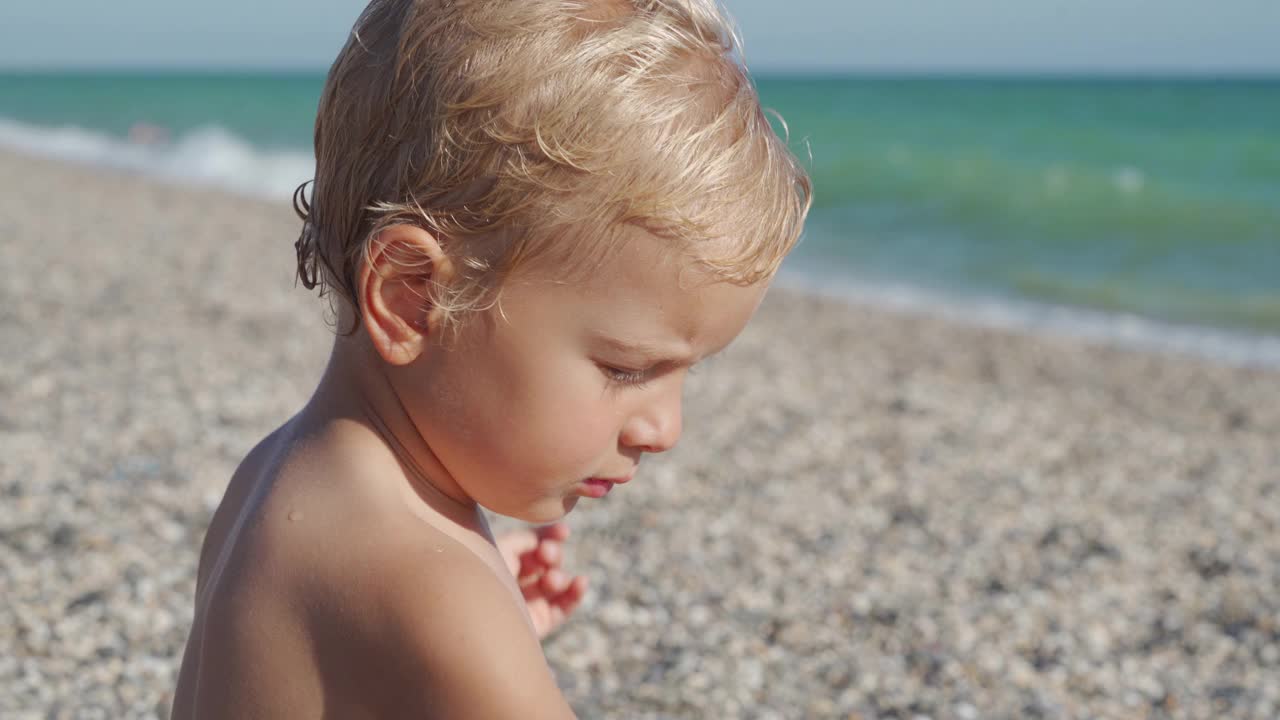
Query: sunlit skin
[349,569]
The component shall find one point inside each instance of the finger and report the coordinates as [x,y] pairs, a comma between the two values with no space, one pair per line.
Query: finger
[568,601]
[519,541]
[559,607]
[549,553]
[528,580]
[545,557]
[512,545]
[555,582]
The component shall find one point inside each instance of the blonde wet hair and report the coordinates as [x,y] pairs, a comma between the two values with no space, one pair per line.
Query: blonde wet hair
[521,132]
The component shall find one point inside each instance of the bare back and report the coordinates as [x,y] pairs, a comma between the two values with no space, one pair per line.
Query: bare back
[288,617]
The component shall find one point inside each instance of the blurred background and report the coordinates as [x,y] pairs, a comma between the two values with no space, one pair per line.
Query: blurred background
[1097,167]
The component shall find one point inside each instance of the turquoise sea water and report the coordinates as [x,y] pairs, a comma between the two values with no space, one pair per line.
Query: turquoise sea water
[1155,198]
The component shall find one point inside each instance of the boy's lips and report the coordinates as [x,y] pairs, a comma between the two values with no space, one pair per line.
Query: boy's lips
[615,480]
[598,487]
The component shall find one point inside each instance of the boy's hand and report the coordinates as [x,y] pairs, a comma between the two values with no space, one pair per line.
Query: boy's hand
[534,557]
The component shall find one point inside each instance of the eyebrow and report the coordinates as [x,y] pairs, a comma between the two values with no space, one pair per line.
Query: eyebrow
[659,353]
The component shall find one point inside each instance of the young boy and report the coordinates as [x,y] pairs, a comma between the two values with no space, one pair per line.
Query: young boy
[532,218]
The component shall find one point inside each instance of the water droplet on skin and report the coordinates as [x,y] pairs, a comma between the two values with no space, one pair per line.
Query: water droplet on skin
[295,515]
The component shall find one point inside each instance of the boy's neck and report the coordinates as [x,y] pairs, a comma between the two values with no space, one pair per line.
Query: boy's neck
[354,389]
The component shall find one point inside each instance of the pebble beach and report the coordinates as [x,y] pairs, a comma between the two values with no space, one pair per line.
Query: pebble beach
[871,514]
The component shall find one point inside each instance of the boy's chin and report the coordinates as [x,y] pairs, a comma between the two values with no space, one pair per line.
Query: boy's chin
[568,504]
[556,510]
[543,513]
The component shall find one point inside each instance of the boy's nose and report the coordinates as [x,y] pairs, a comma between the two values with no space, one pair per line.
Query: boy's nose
[656,428]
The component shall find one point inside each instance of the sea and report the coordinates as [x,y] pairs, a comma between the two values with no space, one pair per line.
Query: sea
[1140,210]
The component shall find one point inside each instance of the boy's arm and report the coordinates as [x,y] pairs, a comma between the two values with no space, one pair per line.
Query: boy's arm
[467,647]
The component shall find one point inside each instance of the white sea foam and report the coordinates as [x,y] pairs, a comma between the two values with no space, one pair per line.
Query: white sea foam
[213,156]
[1123,329]
[210,156]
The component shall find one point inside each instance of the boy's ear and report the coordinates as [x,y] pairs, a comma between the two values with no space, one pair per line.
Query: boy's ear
[397,285]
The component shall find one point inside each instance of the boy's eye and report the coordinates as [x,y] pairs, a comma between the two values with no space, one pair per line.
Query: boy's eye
[623,376]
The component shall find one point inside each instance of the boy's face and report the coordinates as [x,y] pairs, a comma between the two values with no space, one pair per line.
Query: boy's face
[565,383]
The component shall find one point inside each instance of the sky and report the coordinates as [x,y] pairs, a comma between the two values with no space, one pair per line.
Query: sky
[933,36]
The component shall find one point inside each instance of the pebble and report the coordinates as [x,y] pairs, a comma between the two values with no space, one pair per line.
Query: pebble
[871,514]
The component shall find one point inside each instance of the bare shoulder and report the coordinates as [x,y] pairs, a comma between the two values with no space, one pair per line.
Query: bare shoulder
[430,628]
[396,616]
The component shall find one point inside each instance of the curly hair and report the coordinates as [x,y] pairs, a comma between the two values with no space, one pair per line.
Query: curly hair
[530,131]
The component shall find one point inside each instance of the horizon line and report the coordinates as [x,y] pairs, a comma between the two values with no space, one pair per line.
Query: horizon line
[777,71]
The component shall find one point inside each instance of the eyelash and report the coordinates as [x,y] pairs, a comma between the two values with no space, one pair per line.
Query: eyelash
[632,378]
